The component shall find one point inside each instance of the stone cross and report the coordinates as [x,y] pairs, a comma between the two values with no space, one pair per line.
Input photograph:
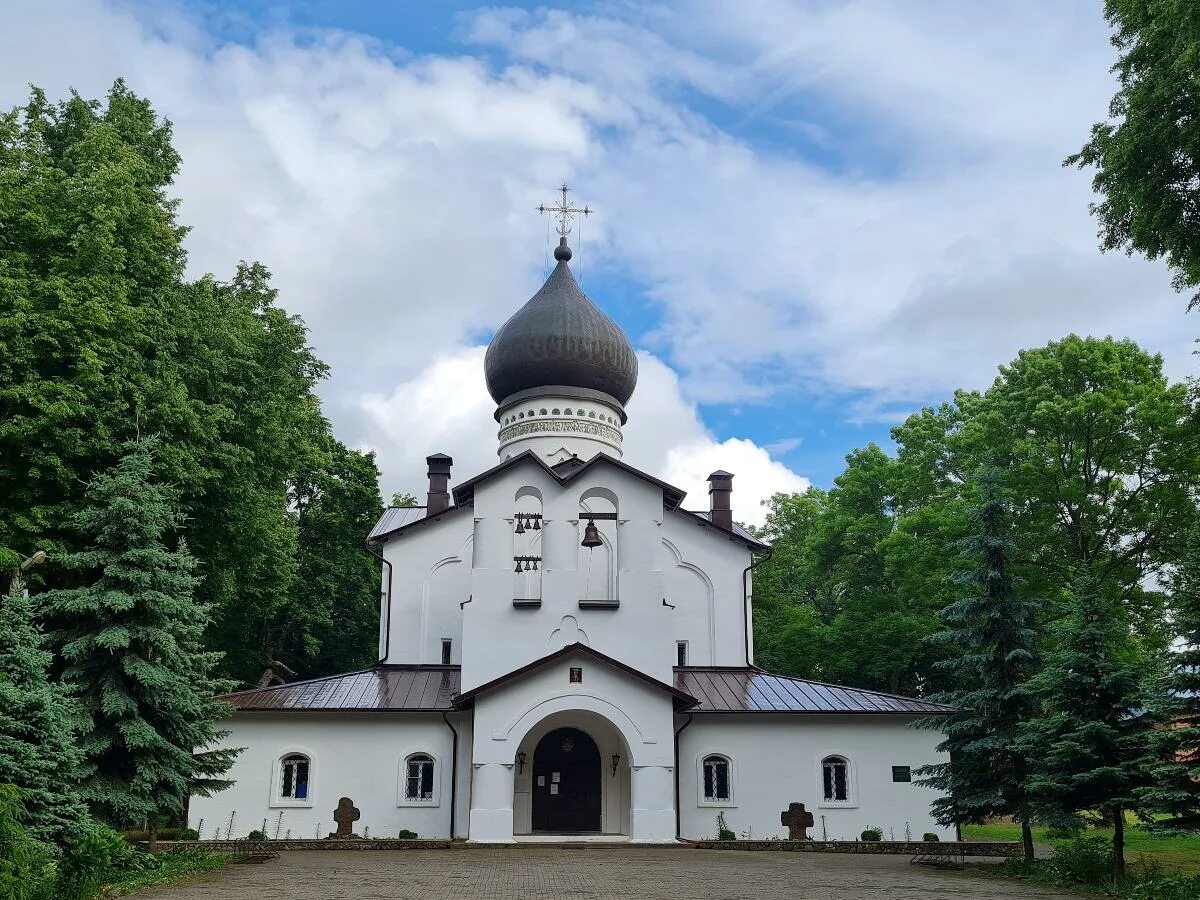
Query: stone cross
[796,818]
[347,814]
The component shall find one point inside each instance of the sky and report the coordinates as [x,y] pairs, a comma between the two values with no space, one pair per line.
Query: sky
[812,218]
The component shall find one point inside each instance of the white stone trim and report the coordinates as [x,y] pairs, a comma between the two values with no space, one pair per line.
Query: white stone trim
[402,778]
[851,801]
[277,800]
[701,800]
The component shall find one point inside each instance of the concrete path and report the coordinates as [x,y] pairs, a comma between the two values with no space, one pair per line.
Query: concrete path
[537,873]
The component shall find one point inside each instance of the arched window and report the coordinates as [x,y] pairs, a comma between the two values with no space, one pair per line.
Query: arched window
[418,778]
[717,779]
[835,775]
[293,777]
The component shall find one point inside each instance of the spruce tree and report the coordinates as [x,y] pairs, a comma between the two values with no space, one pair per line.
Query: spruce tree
[131,643]
[1091,741]
[992,631]
[38,727]
[1174,789]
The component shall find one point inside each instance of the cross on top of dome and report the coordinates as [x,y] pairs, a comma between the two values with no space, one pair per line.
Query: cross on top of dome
[565,213]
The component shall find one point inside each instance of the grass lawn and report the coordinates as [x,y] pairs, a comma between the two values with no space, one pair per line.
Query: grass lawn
[1171,853]
[172,869]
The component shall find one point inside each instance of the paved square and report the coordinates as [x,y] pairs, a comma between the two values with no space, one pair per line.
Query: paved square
[530,873]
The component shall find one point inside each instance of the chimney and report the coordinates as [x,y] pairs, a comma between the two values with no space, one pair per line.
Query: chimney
[439,484]
[720,486]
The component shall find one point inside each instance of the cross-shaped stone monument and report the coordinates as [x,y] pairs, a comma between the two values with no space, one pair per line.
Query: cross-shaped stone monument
[796,818]
[346,815]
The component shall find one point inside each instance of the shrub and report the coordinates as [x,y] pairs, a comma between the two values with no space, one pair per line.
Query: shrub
[872,834]
[188,834]
[1085,860]
[92,855]
[256,835]
[1165,887]
[724,832]
[26,865]
[406,835]
[931,837]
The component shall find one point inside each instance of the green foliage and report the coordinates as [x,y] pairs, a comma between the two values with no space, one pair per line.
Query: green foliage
[26,864]
[92,855]
[256,835]
[38,728]
[405,834]
[992,631]
[930,836]
[724,832]
[1164,887]
[1090,745]
[333,616]
[871,834]
[1147,158]
[102,339]
[404,499]
[1174,787]
[131,641]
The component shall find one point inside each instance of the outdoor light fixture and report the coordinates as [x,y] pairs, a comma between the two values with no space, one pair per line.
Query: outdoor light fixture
[520,761]
[591,535]
[616,759]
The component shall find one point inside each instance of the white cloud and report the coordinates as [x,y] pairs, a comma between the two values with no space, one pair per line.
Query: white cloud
[446,409]
[864,199]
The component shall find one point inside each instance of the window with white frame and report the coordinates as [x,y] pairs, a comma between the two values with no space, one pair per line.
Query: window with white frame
[418,778]
[293,777]
[717,778]
[835,776]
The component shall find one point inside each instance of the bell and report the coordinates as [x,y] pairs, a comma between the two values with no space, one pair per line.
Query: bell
[517,567]
[537,523]
[527,567]
[535,562]
[591,536]
[520,524]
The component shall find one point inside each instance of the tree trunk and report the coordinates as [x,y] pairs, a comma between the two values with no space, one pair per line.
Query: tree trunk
[1027,840]
[1118,842]
[152,835]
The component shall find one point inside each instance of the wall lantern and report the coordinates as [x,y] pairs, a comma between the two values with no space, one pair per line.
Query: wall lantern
[616,759]
[520,762]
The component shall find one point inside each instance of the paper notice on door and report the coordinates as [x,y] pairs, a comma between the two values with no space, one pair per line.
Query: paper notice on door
[541,781]
[554,777]
[554,788]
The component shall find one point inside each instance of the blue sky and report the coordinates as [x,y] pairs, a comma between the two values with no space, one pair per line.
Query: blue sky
[812,217]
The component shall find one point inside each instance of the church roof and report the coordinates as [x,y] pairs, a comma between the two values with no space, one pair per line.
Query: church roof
[683,699]
[751,690]
[380,689]
[560,337]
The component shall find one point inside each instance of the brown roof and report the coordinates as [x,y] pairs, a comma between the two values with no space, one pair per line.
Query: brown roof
[683,698]
[736,690]
[382,688]
[565,471]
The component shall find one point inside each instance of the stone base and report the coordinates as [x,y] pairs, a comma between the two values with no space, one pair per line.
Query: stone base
[898,848]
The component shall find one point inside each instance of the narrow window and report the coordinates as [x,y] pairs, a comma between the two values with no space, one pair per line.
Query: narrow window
[901,773]
[418,780]
[836,778]
[716,779]
[447,645]
[294,777]
[681,653]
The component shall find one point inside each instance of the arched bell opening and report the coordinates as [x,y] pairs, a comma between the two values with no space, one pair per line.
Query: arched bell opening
[572,776]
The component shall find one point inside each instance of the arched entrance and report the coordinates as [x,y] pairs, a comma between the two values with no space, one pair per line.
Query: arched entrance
[566,782]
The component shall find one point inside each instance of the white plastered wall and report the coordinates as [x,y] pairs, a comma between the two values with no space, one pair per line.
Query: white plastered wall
[637,715]
[777,760]
[355,755]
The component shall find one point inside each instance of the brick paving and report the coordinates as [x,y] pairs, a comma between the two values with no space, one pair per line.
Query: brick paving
[530,873]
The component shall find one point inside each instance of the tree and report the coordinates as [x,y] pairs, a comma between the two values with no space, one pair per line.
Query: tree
[992,631]
[131,639]
[332,623]
[1090,743]
[404,499]
[1147,158]
[1174,788]
[38,750]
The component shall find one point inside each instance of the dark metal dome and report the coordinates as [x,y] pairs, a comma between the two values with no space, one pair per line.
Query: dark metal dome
[560,338]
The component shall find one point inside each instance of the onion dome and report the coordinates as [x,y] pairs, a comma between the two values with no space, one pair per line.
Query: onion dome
[560,338]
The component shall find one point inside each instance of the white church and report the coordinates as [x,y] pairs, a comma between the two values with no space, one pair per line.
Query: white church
[566,651]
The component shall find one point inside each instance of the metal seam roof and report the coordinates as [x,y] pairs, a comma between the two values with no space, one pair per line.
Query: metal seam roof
[383,688]
[722,690]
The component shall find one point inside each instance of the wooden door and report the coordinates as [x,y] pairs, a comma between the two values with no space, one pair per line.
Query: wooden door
[566,782]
